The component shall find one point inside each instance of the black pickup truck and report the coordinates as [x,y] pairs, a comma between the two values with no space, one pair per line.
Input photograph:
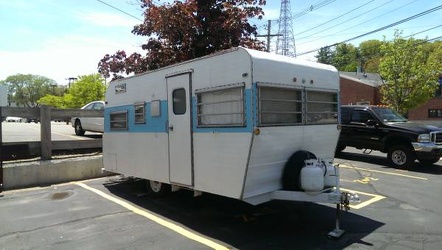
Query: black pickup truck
[383,129]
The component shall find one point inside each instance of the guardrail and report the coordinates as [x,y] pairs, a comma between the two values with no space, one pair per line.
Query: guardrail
[45,114]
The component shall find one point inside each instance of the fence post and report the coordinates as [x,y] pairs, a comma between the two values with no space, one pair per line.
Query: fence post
[45,132]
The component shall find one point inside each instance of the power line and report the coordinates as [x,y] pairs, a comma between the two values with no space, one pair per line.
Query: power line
[312,7]
[424,31]
[327,22]
[359,24]
[434,39]
[379,29]
[120,10]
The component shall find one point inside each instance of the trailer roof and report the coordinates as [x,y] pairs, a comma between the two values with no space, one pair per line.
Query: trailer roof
[254,55]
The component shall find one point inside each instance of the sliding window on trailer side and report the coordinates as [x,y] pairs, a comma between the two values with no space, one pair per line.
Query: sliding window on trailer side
[221,107]
[288,106]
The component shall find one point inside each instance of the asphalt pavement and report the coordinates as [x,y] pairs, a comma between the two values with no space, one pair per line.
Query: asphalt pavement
[25,132]
[399,209]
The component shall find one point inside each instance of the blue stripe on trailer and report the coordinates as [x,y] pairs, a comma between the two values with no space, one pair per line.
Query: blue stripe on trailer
[152,124]
[159,124]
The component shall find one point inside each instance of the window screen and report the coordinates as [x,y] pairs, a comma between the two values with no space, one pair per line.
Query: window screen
[223,107]
[118,120]
[179,101]
[322,107]
[280,106]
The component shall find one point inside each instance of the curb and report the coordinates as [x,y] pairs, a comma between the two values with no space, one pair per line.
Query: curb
[43,173]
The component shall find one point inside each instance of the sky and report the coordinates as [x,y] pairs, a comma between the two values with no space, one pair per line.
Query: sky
[60,39]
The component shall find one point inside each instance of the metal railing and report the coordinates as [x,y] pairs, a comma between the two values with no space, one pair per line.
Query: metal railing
[45,114]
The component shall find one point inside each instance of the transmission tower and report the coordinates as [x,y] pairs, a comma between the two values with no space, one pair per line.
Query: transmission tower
[285,44]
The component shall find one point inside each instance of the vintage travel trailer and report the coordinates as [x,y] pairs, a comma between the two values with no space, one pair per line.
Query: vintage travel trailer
[240,123]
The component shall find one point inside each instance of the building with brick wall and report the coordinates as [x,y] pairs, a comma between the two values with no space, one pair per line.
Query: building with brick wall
[363,88]
[431,111]
[360,88]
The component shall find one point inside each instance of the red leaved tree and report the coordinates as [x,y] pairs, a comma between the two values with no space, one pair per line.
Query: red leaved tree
[185,30]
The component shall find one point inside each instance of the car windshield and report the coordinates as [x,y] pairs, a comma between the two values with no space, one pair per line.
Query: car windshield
[389,115]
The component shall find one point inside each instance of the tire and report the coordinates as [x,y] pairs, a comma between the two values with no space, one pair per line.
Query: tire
[429,161]
[157,189]
[340,148]
[401,156]
[78,129]
[292,170]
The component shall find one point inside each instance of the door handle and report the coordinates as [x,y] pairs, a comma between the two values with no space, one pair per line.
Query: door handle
[171,127]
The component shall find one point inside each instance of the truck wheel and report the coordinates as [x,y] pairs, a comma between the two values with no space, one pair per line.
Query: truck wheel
[339,148]
[157,189]
[429,161]
[401,156]
[292,170]
[78,129]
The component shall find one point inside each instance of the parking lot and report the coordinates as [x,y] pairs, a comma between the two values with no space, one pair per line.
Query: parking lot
[399,209]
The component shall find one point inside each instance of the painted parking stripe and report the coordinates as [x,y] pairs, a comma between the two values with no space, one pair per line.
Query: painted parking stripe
[150,216]
[385,172]
[375,198]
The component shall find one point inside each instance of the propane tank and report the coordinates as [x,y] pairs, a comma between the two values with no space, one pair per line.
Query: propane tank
[331,175]
[312,176]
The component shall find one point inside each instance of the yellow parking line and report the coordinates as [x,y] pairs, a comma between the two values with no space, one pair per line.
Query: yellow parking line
[163,222]
[384,172]
[365,203]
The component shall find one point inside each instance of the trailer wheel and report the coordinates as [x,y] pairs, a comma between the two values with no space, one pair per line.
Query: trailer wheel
[157,189]
[292,169]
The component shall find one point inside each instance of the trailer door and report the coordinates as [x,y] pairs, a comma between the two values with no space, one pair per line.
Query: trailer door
[180,140]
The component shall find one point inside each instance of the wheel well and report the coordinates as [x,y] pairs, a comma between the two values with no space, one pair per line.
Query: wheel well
[393,141]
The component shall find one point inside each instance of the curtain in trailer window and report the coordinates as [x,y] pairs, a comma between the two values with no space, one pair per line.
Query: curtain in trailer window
[221,107]
[280,106]
[322,107]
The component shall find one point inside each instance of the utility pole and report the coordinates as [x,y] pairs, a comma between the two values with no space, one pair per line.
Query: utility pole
[71,80]
[268,35]
[286,42]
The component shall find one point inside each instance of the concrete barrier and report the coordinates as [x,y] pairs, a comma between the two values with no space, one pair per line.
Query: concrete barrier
[41,173]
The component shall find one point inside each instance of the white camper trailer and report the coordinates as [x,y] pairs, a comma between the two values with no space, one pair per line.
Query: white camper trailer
[244,124]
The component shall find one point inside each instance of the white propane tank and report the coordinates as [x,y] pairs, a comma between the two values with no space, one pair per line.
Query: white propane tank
[312,176]
[331,175]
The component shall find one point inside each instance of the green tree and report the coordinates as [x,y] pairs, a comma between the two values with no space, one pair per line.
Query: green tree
[185,30]
[86,89]
[370,55]
[410,77]
[26,90]
[53,101]
[325,55]
[345,57]
[435,58]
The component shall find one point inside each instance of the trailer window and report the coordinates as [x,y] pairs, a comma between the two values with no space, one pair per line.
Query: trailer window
[279,106]
[139,113]
[118,120]
[322,107]
[223,107]
[179,101]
